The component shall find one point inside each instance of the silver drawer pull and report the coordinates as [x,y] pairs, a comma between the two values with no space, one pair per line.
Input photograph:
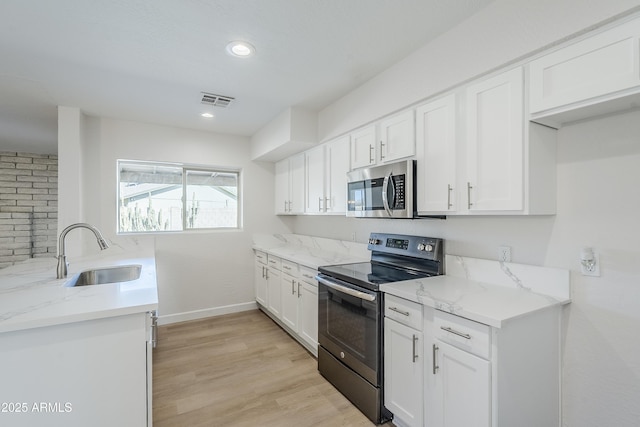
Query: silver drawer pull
[286,267]
[307,276]
[453,331]
[404,313]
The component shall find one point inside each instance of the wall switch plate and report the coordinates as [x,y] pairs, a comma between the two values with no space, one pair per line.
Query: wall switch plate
[504,253]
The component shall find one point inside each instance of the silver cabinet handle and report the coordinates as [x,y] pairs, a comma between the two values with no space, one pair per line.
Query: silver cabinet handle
[415,340]
[449,188]
[299,294]
[435,356]
[371,148]
[286,267]
[453,331]
[307,276]
[319,204]
[327,202]
[469,187]
[293,289]
[382,144]
[263,273]
[404,313]
[266,273]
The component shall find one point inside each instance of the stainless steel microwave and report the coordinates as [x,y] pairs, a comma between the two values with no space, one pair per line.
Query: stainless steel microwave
[386,191]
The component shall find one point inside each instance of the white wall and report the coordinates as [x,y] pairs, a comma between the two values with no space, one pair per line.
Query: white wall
[598,199]
[199,273]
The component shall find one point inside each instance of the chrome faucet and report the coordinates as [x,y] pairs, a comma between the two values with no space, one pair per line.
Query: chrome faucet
[62,258]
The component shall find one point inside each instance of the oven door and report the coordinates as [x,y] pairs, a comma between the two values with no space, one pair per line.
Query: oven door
[349,325]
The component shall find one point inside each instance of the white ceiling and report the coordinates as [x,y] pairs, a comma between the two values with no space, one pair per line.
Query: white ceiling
[148,61]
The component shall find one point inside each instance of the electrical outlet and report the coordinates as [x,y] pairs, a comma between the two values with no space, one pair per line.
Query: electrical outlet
[504,253]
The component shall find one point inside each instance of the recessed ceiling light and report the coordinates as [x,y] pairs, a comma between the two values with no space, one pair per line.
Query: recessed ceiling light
[207,115]
[240,49]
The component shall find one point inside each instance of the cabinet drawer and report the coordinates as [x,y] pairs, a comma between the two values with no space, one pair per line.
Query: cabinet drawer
[274,262]
[261,257]
[462,333]
[308,275]
[403,311]
[290,268]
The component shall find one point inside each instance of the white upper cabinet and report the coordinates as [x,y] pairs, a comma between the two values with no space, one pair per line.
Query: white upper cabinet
[586,75]
[315,180]
[476,155]
[397,137]
[390,139]
[336,168]
[436,155]
[495,143]
[289,185]
[363,147]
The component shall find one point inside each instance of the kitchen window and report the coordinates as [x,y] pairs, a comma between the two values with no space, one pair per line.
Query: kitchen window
[165,197]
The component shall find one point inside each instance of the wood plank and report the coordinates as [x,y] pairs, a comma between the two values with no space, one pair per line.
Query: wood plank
[241,370]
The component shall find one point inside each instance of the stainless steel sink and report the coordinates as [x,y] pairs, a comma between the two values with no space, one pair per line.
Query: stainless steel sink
[100,276]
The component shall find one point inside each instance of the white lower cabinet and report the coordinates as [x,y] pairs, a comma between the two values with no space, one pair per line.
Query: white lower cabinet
[260,277]
[289,290]
[482,376]
[274,287]
[403,361]
[308,309]
[461,388]
[288,293]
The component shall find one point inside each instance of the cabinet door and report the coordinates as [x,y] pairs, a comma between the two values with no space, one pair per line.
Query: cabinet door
[403,372]
[308,295]
[599,65]
[274,292]
[260,283]
[314,180]
[282,187]
[495,138]
[290,301]
[296,177]
[363,147]
[462,389]
[337,166]
[397,137]
[436,152]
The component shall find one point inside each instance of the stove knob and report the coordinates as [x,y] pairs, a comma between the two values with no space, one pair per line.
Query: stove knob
[421,247]
[374,241]
[428,248]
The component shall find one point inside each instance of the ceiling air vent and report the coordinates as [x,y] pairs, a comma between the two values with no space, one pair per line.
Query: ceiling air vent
[216,100]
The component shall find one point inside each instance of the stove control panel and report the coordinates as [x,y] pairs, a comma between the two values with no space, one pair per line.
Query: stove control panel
[430,248]
[397,243]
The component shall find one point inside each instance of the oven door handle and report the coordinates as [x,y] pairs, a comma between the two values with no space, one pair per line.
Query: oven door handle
[344,289]
[388,180]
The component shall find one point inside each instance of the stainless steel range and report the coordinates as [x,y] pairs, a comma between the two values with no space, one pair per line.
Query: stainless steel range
[350,307]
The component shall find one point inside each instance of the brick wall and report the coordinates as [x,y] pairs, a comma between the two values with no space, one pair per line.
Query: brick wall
[28,206]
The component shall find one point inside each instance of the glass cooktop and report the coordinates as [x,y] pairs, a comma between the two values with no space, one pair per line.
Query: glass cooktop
[369,274]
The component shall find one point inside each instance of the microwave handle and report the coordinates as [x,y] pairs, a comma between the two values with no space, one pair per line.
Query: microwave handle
[385,185]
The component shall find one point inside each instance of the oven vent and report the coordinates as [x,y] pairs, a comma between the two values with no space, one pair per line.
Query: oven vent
[216,100]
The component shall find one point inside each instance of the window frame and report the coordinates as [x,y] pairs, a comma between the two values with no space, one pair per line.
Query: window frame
[185,168]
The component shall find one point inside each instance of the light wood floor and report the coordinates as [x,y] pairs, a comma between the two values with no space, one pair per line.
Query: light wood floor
[241,370]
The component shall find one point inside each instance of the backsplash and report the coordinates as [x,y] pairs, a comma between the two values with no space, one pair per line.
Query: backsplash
[28,206]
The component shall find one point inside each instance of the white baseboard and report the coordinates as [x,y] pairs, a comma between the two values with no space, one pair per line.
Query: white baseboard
[207,312]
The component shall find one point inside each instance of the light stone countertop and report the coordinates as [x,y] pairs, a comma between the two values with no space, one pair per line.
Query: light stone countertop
[311,251]
[31,296]
[487,291]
